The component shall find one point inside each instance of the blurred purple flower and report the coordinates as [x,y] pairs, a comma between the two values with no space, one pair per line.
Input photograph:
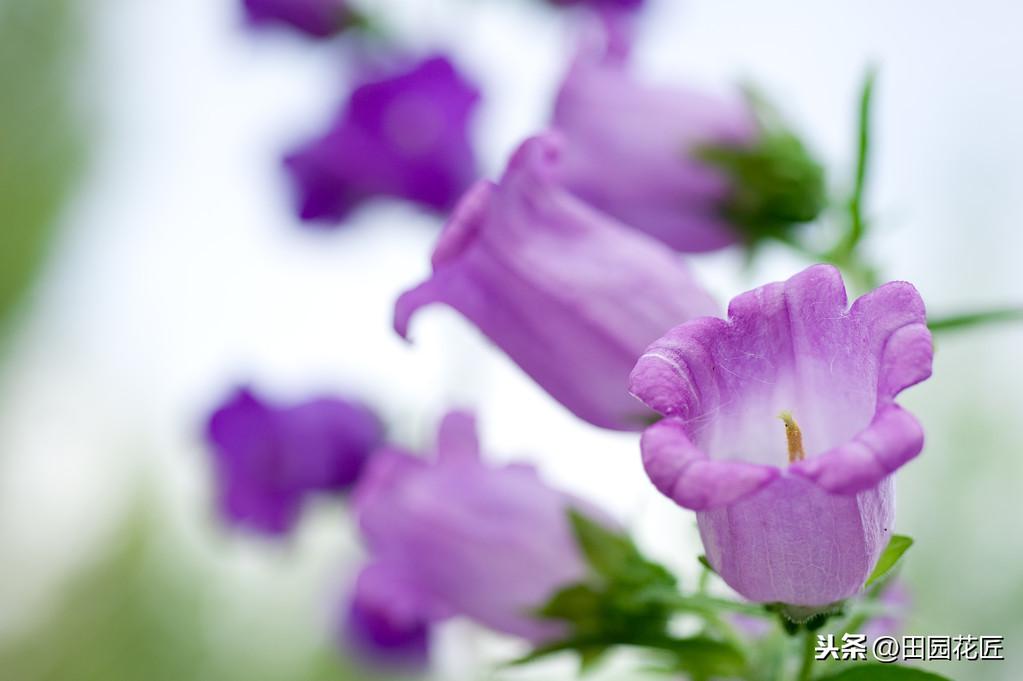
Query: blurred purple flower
[387,621]
[570,294]
[896,597]
[405,136]
[267,459]
[778,528]
[455,537]
[630,5]
[630,149]
[317,18]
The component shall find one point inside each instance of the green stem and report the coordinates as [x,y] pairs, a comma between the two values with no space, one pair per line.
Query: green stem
[809,655]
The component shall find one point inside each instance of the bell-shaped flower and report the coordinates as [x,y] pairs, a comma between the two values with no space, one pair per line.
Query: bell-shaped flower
[452,536]
[268,459]
[798,510]
[317,18]
[694,170]
[570,294]
[406,136]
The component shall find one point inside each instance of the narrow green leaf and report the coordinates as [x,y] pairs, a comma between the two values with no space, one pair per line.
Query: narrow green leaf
[857,224]
[897,546]
[884,672]
[706,563]
[971,319]
[609,553]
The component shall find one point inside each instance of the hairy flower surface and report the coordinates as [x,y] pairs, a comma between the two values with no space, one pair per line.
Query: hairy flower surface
[268,459]
[453,536]
[317,18]
[570,294]
[795,512]
[405,136]
[632,150]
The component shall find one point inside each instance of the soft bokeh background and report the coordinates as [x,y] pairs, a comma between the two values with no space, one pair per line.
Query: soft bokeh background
[145,136]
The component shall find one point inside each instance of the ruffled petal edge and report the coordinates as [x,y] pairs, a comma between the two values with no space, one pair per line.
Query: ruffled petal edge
[689,477]
[893,438]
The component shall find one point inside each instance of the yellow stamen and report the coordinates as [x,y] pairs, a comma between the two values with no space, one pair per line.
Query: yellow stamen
[794,437]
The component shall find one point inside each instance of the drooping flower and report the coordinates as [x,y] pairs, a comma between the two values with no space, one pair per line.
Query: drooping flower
[317,18]
[570,294]
[267,459]
[406,136]
[453,536]
[797,515]
[697,171]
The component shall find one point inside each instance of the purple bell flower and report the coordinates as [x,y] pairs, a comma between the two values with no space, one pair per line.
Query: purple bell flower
[800,514]
[453,536]
[268,459]
[570,294]
[317,18]
[405,136]
[631,149]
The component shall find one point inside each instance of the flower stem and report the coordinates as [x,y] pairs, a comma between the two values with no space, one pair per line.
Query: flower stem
[809,655]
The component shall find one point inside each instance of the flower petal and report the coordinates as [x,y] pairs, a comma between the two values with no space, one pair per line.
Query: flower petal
[457,440]
[685,474]
[893,438]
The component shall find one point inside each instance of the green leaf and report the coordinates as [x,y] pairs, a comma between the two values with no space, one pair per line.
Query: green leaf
[699,656]
[884,672]
[897,546]
[576,603]
[608,552]
[706,563]
[971,319]
[703,657]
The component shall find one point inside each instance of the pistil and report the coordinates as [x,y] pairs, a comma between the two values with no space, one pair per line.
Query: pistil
[794,437]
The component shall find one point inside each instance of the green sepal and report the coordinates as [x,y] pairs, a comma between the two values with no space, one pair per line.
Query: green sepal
[795,618]
[776,183]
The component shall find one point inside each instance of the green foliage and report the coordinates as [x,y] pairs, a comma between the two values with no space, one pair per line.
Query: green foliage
[41,147]
[897,546]
[775,182]
[629,601]
[884,672]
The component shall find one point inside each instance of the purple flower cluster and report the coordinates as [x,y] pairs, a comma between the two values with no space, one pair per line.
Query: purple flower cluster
[778,424]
